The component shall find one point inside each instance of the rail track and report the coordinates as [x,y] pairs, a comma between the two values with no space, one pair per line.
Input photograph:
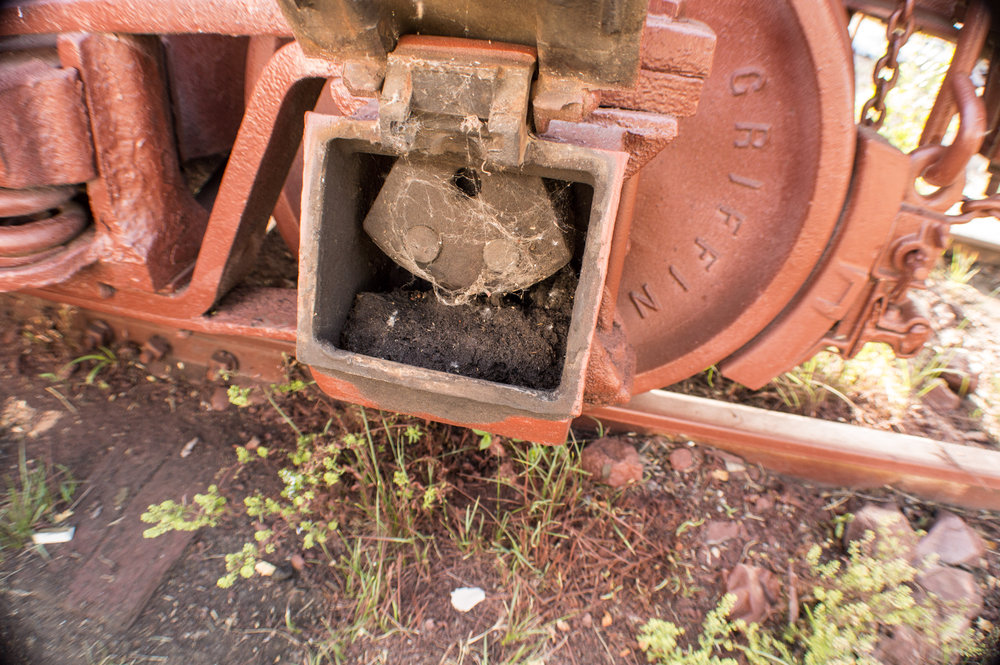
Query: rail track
[643,189]
[821,451]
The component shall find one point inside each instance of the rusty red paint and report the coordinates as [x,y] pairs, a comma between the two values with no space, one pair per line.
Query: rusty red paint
[532,429]
[35,98]
[227,17]
[269,134]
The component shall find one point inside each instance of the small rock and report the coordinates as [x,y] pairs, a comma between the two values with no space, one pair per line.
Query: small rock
[265,568]
[903,647]
[506,471]
[717,532]
[940,398]
[429,626]
[298,563]
[587,620]
[956,590]
[606,620]
[189,446]
[961,378]
[46,421]
[612,461]
[464,599]
[253,443]
[720,474]
[220,399]
[763,504]
[952,540]
[893,534]
[562,626]
[755,589]
[733,463]
[52,536]
[681,459]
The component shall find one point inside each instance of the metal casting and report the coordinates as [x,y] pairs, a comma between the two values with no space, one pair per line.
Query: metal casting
[339,161]
[738,217]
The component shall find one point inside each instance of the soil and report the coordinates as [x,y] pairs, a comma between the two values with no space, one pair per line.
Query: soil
[591,579]
[516,339]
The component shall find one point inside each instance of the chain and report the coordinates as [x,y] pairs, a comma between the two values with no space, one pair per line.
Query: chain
[886,72]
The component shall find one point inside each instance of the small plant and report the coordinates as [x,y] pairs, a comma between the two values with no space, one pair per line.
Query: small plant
[239,396]
[853,603]
[205,510]
[961,267]
[30,501]
[104,358]
[807,386]
[239,564]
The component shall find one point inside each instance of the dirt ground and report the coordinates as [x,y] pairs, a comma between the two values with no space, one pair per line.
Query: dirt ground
[610,561]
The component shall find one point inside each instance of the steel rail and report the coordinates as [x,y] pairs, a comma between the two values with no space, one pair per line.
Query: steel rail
[822,451]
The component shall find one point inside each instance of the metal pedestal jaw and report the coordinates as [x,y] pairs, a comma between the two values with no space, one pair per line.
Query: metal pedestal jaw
[446,182]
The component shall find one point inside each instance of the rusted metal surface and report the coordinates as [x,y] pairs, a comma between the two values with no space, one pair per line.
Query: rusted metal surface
[593,41]
[881,179]
[732,216]
[823,451]
[18,202]
[206,94]
[676,58]
[327,288]
[35,236]
[733,125]
[148,221]
[269,135]
[44,133]
[227,17]
[239,338]
[43,237]
[959,94]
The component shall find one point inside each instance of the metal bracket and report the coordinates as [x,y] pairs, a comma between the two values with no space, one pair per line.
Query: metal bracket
[445,104]
[449,95]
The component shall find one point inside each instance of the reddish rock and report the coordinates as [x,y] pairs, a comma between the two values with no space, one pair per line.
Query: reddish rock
[681,459]
[955,591]
[903,647]
[893,534]
[612,461]
[952,540]
[220,399]
[717,532]
[960,376]
[755,589]
[941,398]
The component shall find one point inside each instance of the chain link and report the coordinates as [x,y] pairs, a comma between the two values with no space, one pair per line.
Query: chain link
[886,72]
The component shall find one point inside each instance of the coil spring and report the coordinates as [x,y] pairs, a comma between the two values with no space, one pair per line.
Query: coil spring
[36,224]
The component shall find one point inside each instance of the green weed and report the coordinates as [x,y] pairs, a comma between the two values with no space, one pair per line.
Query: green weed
[205,510]
[851,603]
[961,266]
[30,501]
[104,358]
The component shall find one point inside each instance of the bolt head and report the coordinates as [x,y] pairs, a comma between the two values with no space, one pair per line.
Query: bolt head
[422,243]
[501,255]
